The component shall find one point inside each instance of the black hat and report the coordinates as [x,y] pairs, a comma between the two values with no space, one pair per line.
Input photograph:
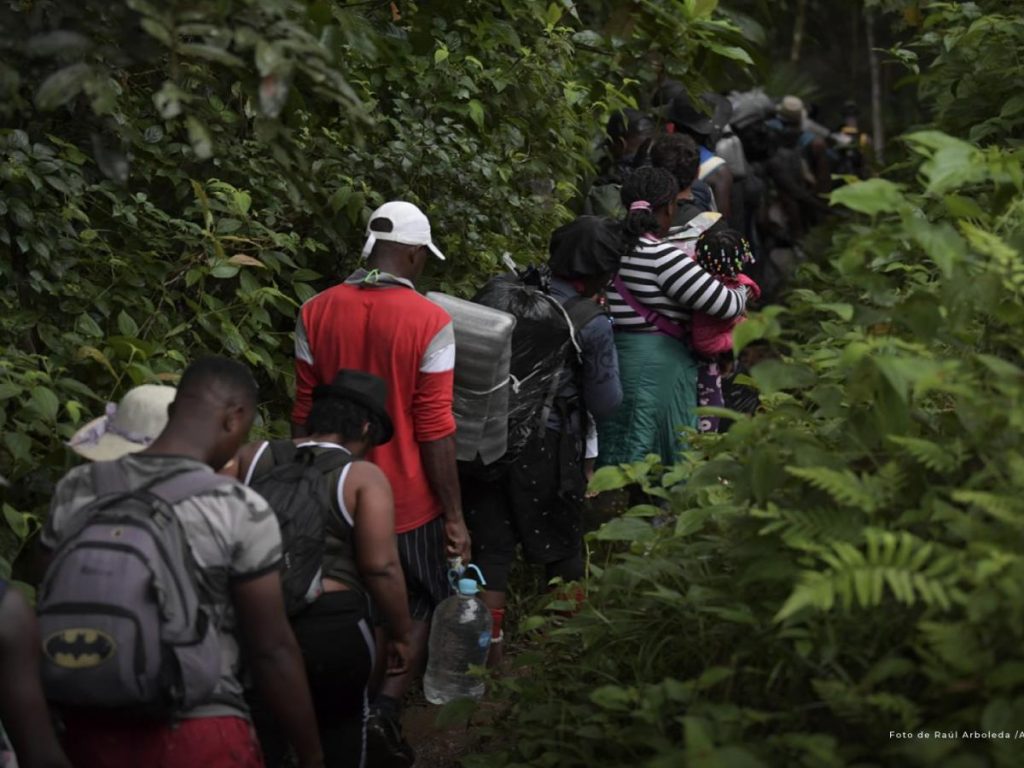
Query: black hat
[682,111]
[589,245]
[362,388]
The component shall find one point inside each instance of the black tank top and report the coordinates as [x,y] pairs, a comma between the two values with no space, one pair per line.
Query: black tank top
[339,561]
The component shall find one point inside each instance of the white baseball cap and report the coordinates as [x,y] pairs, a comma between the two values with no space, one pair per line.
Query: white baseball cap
[399,222]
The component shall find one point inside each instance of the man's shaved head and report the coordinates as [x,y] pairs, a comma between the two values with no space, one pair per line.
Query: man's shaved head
[212,412]
[229,380]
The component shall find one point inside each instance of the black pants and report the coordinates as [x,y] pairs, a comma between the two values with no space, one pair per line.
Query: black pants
[535,500]
[337,645]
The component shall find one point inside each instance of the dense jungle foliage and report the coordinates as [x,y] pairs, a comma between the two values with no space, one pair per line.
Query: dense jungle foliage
[177,177]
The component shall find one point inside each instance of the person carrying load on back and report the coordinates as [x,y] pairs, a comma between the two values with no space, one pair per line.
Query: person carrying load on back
[657,289]
[724,254]
[159,570]
[534,495]
[377,322]
[338,522]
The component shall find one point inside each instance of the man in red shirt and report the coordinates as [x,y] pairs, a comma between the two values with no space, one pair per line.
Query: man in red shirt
[376,322]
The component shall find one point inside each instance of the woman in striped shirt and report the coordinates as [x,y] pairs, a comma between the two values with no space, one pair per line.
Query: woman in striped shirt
[657,289]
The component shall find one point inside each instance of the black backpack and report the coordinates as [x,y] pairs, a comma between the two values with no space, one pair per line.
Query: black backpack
[546,338]
[298,490]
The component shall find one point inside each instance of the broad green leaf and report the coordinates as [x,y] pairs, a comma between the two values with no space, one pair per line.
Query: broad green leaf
[62,86]
[157,30]
[476,112]
[872,197]
[126,325]
[643,510]
[224,271]
[85,324]
[95,354]
[45,403]
[18,521]
[626,529]
[733,52]
[20,445]
[614,697]
[609,478]
[9,389]
[940,241]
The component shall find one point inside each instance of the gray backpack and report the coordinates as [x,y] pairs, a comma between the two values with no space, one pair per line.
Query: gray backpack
[119,609]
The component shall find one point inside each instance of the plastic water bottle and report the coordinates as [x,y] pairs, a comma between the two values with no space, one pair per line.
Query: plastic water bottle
[460,635]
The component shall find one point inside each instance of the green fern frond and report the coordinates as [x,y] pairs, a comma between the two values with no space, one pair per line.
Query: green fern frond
[1006,509]
[956,646]
[843,486]
[892,477]
[909,568]
[809,529]
[930,455]
[852,704]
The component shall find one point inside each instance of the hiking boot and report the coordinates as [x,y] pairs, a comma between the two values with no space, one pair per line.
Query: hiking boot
[385,747]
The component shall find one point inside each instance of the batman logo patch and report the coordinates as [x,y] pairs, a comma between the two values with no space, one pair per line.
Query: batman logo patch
[79,648]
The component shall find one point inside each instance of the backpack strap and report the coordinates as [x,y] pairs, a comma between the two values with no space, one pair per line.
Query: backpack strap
[662,324]
[283,451]
[329,461]
[578,311]
[582,310]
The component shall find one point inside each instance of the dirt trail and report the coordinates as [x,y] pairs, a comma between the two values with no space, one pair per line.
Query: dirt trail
[435,747]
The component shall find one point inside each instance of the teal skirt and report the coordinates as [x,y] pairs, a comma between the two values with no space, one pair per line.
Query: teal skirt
[659,388]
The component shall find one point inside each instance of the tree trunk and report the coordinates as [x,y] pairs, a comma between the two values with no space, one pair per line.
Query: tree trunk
[798,30]
[877,129]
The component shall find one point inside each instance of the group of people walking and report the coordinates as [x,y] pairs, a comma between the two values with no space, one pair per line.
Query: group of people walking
[285,601]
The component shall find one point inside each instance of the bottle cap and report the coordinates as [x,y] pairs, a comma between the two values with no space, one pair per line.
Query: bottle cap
[468,587]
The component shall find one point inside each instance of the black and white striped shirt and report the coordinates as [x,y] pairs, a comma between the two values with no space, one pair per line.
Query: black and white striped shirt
[663,278]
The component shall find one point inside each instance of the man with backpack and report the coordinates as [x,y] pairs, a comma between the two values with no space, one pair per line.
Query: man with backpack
[159,570]
[341,558]
[563,356]
[376,322]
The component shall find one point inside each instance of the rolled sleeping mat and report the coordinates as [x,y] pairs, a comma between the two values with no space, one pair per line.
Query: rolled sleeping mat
[483,352]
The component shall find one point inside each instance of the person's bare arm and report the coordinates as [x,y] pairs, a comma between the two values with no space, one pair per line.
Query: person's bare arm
[439,464]
[276,662]
[368,496]
[22,706]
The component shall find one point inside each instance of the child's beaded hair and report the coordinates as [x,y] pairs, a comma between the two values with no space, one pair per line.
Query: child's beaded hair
[723,252]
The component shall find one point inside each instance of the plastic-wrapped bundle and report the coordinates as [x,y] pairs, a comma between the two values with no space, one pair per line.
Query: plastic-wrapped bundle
[483,350]
[540,348]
